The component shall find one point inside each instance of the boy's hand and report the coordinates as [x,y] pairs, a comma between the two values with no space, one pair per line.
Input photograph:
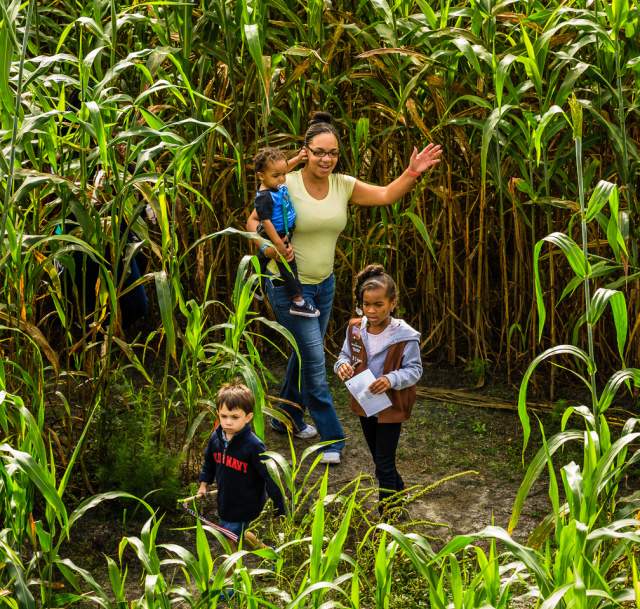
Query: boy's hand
[301,157]
[345,372]
[202,490]
[380,385]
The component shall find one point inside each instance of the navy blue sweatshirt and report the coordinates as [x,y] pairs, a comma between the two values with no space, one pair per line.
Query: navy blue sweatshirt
[240,474]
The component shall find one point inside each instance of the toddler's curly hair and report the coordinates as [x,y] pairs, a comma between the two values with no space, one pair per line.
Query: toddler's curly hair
[267,155]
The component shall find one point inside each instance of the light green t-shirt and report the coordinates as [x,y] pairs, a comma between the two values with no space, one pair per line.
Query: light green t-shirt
[319,223]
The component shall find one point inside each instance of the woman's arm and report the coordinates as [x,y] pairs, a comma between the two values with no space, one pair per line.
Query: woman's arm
[370,195]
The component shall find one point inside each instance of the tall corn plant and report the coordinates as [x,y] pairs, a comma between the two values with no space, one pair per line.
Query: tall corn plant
[589,523]
[158,100]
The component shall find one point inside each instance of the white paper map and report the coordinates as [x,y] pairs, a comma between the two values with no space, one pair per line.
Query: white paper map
[371,403]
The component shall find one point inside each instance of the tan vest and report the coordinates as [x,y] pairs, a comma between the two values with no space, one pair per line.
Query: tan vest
[402,400]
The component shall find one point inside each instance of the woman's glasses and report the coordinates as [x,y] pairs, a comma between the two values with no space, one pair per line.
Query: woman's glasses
[320,153]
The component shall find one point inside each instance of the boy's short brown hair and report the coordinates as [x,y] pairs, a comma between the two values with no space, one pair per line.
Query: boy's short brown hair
[235,395]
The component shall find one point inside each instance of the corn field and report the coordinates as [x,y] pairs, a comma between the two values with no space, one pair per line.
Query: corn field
[127,134]
[171,100]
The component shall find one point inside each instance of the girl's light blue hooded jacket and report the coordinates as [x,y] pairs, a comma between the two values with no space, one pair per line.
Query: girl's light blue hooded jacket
[396,332]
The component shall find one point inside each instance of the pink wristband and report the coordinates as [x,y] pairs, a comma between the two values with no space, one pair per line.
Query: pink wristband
[413,173]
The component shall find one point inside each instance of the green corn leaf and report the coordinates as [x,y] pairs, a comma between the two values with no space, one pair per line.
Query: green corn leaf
[165,304]
[535,468]
[572,478]
[616,381]
[419,552]
[470,53]
[616,299]
[599,198]
[543,123]
[427,11]
[576,259]
[556,597]
[501,73]
[381,568]
[533,561]
[99,131]
[40,477]
[422,229]
[317,532]
[455,580]
[336,543]
[604,471]
[531,63]
[489,132]
[579,354]
[254,44]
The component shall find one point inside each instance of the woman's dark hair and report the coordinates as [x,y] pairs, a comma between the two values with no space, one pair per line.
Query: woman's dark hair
[321,122]
[371,277]
[267,155]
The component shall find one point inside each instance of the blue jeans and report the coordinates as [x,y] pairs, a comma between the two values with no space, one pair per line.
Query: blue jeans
[313,392]
[235,527]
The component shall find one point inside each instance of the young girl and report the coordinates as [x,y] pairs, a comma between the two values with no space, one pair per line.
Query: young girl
[390,348]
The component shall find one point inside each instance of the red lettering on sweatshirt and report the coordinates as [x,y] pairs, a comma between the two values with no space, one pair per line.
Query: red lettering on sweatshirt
[231,462]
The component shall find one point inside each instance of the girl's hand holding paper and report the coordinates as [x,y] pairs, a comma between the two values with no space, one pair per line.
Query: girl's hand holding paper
[380,385]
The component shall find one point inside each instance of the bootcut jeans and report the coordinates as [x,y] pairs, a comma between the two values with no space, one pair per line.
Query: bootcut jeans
[314,393]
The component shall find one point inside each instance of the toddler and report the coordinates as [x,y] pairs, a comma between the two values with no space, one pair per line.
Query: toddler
[277,221]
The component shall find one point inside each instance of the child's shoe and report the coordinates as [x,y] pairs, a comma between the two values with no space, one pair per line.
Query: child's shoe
[330,457]
[304,310]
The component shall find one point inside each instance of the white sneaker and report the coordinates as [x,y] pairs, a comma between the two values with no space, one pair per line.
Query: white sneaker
[330,457]
[307,432]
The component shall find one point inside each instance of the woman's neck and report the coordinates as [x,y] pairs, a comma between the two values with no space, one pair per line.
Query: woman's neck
[316,187]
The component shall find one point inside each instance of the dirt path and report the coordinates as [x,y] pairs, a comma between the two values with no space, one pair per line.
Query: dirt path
[438,442]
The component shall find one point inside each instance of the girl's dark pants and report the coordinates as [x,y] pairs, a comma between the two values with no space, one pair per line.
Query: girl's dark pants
[382,439]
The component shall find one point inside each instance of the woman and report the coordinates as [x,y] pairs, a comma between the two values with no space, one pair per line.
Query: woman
[320,199]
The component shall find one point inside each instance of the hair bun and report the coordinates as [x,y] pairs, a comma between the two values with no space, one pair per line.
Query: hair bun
[321,117]
[371,270]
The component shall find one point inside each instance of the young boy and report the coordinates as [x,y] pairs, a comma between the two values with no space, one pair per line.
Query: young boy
[233,459]
[277,221]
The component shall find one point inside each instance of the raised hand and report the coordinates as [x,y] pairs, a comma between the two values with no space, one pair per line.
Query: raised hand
[425,159]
